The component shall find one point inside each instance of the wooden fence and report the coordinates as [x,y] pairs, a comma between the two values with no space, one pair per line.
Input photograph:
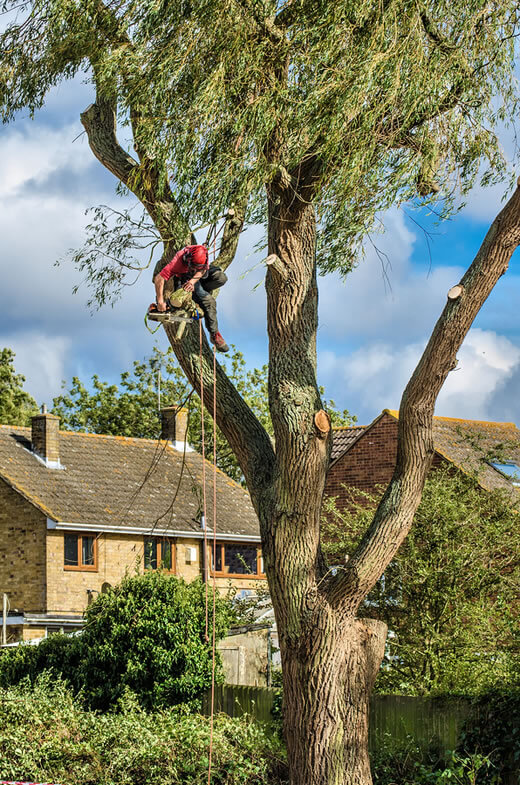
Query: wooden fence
[431,722]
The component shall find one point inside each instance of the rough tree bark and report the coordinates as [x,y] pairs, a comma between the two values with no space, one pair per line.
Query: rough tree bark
[330,657]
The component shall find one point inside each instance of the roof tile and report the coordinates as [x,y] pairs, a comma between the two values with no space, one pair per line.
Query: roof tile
[120,481]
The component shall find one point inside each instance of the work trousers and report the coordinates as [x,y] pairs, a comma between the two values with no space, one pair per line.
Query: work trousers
[214,279]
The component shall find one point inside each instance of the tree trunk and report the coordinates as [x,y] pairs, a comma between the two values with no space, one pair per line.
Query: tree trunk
[329,658]
[328,681]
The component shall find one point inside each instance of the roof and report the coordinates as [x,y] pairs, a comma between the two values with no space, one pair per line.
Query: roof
[343,438]
[467,444]
[114,481]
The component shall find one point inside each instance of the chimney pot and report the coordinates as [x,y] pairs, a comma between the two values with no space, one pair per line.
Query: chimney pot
[174,425]
[45,438]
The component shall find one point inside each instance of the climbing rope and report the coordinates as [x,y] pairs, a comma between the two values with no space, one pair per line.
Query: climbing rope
[214,544]
[212,713]
[204,506]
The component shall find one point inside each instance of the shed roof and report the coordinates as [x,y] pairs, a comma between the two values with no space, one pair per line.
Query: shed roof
[343,438]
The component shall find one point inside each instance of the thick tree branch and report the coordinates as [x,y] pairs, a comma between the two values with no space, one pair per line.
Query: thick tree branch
[231,234]
[394,515]
[99,121]
[247,437]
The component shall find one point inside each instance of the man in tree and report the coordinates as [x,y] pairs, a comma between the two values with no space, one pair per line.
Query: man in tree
[190,269]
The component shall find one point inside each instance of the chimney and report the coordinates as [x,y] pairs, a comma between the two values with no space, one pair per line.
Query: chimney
[45,438]
[174,424]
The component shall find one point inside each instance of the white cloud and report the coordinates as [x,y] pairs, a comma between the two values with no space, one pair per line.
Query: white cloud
[486,361]
[35,152]
[41,359]
[397,301]
[376,375]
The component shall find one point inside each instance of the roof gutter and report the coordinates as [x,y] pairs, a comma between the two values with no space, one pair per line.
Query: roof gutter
[153,531]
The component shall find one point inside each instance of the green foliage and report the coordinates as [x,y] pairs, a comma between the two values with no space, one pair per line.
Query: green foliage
[407,763]
[494,729]
[16,406]
[371,102]
[146,635]
[450,597]
[46,736]
[131,408]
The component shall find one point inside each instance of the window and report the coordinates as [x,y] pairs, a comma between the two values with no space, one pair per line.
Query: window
[80,552]
[237,560]
[509,469]
[159,553]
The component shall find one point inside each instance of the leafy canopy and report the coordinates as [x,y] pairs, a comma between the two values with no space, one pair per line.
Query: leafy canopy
[450,597]
[16,405]
[368,101]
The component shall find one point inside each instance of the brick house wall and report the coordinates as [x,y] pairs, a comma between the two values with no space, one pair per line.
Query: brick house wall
[23,530]
[369,463]
[67,589]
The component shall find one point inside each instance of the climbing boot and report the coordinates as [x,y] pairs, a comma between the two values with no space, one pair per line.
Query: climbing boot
[220,344]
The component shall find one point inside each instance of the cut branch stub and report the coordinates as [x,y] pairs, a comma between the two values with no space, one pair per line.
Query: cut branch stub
[276,263]
[455,292]
[322,422]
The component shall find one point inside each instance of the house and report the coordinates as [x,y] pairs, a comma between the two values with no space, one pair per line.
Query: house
[364,457]
[78,511]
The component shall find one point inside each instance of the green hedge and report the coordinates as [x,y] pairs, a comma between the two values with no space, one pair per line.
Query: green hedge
[46,735]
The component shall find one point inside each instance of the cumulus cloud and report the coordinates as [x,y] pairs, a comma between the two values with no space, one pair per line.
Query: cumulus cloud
[32,153]
[41,218]
[40,358]
[385,294]
[486,360]
[376,374]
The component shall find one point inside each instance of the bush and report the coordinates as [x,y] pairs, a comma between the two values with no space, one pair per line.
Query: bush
[494,730]
[148,635]
[409,764]
[46,736]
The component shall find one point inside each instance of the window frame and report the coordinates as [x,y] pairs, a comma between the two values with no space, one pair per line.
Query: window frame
[80,567]
[159,540]
[259,575]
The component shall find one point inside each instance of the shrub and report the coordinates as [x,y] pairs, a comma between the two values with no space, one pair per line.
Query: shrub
[148,635]
[46,736]
[407,763]
[494,729]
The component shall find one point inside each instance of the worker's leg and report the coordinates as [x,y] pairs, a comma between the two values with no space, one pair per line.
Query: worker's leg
[208,305]
[214,280]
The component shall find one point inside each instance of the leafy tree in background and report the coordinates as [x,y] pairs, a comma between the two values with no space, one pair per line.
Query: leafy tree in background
[16,405]
[148,634]
[131,408]
[311,117]
[450,596]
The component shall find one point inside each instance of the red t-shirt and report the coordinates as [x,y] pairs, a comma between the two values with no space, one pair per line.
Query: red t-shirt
[177,267]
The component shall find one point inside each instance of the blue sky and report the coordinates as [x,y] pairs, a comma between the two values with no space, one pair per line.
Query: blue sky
[372,330]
